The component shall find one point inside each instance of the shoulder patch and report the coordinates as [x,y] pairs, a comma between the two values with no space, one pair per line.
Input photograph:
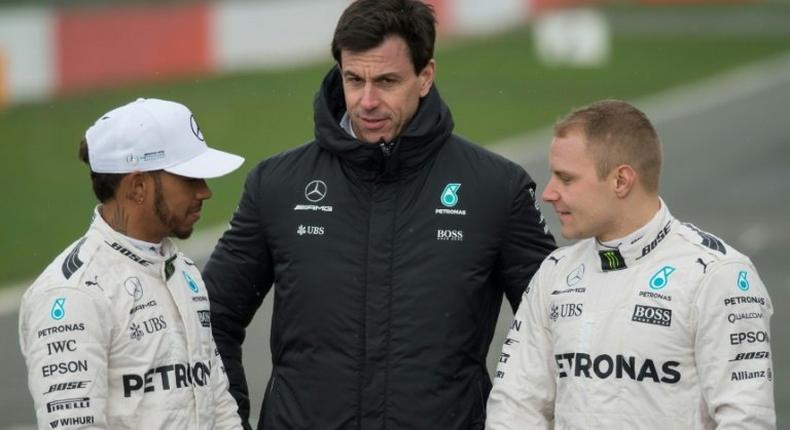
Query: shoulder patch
[72,263]
[708,239]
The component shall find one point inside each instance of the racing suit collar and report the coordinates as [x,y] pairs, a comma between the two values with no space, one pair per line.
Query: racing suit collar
[628,251]
[149,261]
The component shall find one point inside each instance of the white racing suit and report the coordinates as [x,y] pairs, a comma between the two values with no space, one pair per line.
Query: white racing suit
[668,331]
[115,338]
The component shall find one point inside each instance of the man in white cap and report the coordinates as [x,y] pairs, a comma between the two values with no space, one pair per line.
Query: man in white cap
[116,332]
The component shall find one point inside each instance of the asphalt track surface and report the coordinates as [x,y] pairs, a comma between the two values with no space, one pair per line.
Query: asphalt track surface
[727,169]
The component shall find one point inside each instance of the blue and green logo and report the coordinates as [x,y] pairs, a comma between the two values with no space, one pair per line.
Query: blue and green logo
[193,286]
[661,278]
[58,310]
[743,283]
[450,195]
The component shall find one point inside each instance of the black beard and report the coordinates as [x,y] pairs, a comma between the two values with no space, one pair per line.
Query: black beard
[164,214]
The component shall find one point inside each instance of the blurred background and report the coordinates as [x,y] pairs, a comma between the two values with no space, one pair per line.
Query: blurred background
[714,75]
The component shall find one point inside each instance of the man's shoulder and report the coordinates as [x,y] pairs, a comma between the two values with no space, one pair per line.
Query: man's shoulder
[722,272]
[281,171]
[73,267]
[284,161]
[71,295]
[707,253]
[487,167]
[463,147]
[706,244]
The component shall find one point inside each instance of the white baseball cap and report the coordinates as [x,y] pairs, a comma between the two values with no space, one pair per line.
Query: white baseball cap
[153,134]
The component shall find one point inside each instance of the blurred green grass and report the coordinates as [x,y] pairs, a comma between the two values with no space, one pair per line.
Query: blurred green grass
[495,87]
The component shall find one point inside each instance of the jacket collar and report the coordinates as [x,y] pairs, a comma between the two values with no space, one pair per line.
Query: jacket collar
[117,242]
[430,128]
[630,250]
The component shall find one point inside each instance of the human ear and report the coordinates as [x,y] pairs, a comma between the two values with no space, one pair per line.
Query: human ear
[135,187]
[625,178]
[426,77]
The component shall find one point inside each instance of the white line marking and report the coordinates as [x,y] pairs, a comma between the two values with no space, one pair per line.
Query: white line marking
[674,103]
[10,296]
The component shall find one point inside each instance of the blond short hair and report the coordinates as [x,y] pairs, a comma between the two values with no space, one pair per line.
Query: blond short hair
[617,133]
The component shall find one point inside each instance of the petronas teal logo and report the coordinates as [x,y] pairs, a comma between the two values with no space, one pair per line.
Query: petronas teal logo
[191,283]
[743,283]
[58,309]
[450,195]
[661,278]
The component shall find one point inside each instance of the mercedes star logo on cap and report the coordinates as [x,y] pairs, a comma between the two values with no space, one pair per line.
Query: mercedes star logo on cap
[196,128]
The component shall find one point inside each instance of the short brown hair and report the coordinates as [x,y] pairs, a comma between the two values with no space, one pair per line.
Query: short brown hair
[366,23]
[617,133]
[104,184]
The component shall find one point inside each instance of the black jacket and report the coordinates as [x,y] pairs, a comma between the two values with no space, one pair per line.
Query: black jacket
[388,276]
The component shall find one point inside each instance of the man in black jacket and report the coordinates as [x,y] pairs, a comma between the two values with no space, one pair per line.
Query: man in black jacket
[390,242]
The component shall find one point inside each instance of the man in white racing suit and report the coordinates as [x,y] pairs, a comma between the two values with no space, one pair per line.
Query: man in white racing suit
[645,323]
[116,331]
